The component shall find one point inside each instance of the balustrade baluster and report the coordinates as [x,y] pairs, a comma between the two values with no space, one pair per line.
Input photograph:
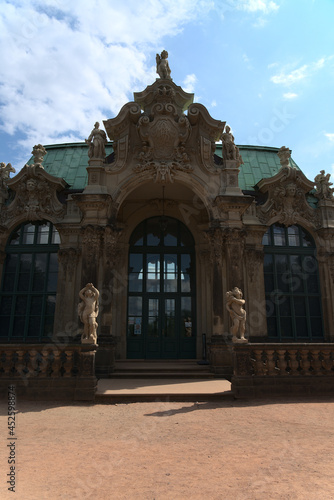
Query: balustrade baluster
[20,365]
[327,362]
[68,364]
[282,363]
[271,366]
[316,362]
[56,364]
[32,364]
[258,364]
[305,362]
[8,364]
[293,363]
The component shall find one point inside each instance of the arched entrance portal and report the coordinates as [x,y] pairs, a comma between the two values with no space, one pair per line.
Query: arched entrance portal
[161,291]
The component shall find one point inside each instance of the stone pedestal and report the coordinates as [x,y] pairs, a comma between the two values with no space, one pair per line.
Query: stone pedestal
[221,356]
[105,356]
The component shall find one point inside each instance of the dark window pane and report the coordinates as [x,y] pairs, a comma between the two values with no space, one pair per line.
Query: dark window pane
[153,232]
[39,271]
[283,281]
[293,236]
[300,306]
[316,327]
[21,305]
[307,239]
[25,262]
[28,234]
[55,236]
[5,306]
[36,304]
[268,263]
[281,263]
[270,307]
[15,239]
[48,326]
[52,282]
[53,264]
[23,282]
[137,237]
[8,282]
[266,240]
[279,236]
[136,282]
[272,327]
[153,273]
[314,306]
[18,328]
[34,326]
[269,282]
[312,283]
[285,307]
[12,261]
[186,238]
[43,234]
[310,264]
[301,327]
[170,238]
[135,263]
[135,306]
[50,305]
[4,326]
[286,328]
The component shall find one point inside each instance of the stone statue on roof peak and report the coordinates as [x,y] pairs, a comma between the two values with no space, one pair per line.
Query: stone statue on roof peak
[163,68]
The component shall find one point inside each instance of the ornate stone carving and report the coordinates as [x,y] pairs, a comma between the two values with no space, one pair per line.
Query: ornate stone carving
[163,135]
[91,239]
[286,203]
[38,153]
[234,305]
[97,141]
[322,185]
[254,260]
[4,176]
[229,149]
[111,239]
[36,196]
[284,156]
[215,237]
[69,258]
[163,68]
[88,311]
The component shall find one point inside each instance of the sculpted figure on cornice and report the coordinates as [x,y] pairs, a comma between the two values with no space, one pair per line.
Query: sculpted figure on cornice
[323,186]
[163,68]
[284,156]
[38,153]
[36,195]
[229,149]
[97,141]
[287,203]
[4,176]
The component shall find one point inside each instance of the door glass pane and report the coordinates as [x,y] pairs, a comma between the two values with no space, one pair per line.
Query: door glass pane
[170,273]
[186,273]
[136,273]
[153,232]
[170,238]
[186,317]
[153,318]
[153,273]
[169,327]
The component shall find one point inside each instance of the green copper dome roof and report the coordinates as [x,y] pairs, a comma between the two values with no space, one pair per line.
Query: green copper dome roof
[69,161]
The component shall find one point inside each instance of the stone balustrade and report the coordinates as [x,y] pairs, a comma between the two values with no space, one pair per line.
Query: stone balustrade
[283,368]
[45,368]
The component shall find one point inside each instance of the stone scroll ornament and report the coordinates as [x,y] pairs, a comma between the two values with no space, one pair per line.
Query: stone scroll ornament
[97,141]
[163,68]
[88,311]
[234,305]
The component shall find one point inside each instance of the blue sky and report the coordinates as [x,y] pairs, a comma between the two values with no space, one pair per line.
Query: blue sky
[266,67]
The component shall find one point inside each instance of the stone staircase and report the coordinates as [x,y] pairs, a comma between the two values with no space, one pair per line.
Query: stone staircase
[161,380]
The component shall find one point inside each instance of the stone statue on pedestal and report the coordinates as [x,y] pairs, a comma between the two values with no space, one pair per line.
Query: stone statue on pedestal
[323,186]
[163,68]
[88,311]
[229,149]
[97,141]
[234,305]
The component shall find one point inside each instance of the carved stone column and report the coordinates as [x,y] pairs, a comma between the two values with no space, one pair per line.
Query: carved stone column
[216,241]
[235,244]
[91,252]
[255,292]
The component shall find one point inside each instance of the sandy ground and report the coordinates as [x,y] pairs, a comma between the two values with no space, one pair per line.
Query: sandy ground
[229,450]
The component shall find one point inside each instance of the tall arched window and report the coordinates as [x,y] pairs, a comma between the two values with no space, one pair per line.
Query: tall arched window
[29,283]
[292,286]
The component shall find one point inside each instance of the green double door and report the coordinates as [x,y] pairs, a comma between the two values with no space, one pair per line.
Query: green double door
[161,292]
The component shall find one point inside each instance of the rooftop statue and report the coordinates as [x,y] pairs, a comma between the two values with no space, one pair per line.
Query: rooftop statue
[323,191]
[38,153]
[284,156]
[4,176]
[229,149]
[163,68]
[97,141]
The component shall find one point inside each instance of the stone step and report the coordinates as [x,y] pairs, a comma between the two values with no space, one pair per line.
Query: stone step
[154,374]
[161,397]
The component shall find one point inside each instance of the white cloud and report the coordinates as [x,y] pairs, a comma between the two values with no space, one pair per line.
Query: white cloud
[189,83]
[290,95]
[330,137]
[305,71]
[69,64]
[213,104]
[264,6]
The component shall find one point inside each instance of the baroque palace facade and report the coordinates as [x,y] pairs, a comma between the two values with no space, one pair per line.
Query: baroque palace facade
[164,220]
